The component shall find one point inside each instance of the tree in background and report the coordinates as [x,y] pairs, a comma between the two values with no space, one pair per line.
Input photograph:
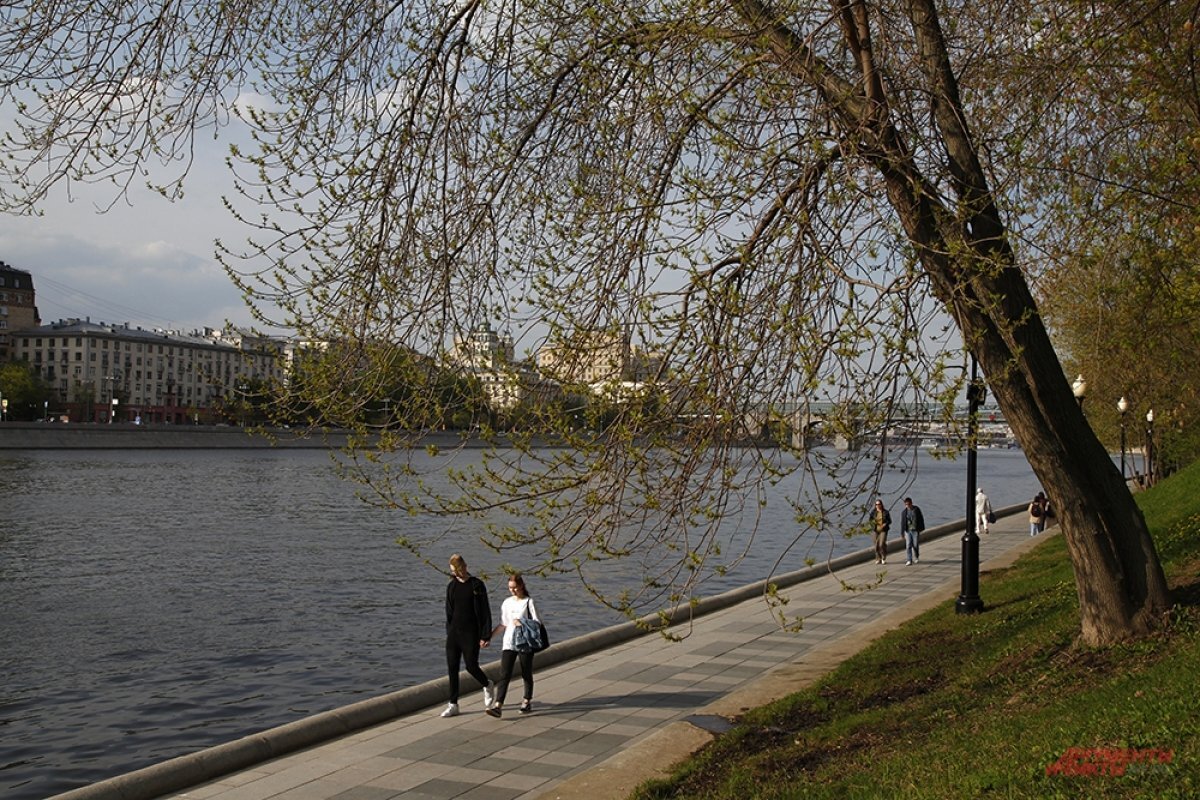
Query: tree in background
[1119,174]
[24,389]
[786,202]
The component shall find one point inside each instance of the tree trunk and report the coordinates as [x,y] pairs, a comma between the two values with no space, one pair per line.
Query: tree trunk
[1119,579]
[1121,587]
[964,249]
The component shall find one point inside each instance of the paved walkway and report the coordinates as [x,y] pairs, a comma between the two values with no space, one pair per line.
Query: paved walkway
[604,722]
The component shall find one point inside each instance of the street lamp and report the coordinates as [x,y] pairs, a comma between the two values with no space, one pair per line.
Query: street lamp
[242,401]
[1079,389]
[113,415]
[969,601]
[1150,447]
[1122,406]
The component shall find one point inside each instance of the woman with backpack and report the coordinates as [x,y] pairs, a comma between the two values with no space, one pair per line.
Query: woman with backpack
[1037,514]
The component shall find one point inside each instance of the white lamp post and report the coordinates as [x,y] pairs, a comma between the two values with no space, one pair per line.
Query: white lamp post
[1122,406]
[1079,389]
[1150,447]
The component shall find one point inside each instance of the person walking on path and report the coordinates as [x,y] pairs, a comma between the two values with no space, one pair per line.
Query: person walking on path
[468,628]
[912,522]
[517,607]
[983,511]
[882,521]
[1037,514]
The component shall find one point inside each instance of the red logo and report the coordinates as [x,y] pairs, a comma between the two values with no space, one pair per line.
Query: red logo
[1109,761]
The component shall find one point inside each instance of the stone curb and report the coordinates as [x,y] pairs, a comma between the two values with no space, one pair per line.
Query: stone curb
[211,763]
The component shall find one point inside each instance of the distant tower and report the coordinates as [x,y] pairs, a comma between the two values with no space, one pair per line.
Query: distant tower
[17,307]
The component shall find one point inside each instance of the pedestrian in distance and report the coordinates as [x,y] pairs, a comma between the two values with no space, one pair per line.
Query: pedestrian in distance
[912,522]
[516,610]
[983,511]
[468,628]
[1037,514]
[881,521]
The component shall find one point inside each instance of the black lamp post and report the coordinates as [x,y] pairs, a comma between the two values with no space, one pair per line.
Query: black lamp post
[1122,406]
[969,601]
[1150,447]
[1079,389]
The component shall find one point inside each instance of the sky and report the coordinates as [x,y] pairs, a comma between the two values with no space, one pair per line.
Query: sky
[148,262]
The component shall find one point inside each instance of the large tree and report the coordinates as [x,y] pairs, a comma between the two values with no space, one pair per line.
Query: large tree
[1118,176]
[766,195]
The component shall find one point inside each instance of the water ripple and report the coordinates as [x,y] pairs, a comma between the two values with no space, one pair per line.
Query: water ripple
[159,602]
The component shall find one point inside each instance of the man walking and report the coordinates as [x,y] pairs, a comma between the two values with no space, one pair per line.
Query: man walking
[983,511]
[468,628]
[912,522]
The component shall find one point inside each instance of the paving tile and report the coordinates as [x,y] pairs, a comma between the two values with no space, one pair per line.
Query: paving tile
[595,744]
[589,709]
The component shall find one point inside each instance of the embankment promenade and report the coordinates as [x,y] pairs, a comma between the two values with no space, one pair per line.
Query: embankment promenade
[127,436]
[611,708]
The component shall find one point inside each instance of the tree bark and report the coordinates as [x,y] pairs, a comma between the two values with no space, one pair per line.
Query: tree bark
[965,251]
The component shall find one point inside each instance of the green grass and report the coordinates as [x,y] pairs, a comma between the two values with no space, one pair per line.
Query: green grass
[981,706]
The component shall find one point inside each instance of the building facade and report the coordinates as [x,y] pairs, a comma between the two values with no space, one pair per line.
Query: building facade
[18,308]
[603,360]
[489,357]
[100,372]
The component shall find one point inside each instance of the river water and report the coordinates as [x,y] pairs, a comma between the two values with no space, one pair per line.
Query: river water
[153,603]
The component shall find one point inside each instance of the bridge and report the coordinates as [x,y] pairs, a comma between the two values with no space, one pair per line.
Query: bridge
[815,424]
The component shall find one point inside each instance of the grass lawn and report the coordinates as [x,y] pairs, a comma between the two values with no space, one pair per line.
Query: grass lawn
[999,704]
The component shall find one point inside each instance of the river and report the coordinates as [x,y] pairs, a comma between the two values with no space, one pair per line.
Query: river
[158,602]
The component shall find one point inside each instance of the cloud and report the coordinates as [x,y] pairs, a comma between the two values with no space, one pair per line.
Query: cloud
[146,282]
[247,103]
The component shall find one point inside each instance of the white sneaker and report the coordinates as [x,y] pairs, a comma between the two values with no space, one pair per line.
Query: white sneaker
[884,561]
[489,694]
[908,563]
[451,710]
[916,561]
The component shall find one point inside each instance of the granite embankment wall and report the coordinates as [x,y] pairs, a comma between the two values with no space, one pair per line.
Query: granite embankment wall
[124,436]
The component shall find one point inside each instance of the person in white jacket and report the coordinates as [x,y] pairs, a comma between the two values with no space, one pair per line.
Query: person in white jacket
[983,510]
[518,606]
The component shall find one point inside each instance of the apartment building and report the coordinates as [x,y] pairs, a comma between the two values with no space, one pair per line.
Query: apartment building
[17,307]
[603,360]
[489,356]
[101,371]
